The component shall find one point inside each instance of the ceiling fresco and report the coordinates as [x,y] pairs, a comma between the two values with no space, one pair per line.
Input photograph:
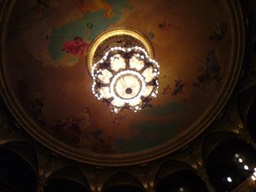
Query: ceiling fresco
[48,86]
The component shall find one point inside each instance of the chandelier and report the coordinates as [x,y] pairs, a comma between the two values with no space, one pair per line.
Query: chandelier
[125,77]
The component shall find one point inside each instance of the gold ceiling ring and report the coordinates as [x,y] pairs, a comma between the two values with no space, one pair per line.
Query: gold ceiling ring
[117,36]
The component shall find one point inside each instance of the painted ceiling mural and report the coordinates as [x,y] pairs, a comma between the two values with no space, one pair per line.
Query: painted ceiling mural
[46,47]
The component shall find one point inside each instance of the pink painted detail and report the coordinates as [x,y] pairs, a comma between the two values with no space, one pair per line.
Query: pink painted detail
[76,47]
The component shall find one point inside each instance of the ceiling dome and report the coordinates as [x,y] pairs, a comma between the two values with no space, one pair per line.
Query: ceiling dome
[46,83]
[182,76]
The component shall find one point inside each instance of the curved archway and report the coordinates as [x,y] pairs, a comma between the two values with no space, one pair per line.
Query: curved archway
[181,181]
[230,163]
[170,167]
[250,120]
[17,168]
[123,181]
[67,179]
[177,176]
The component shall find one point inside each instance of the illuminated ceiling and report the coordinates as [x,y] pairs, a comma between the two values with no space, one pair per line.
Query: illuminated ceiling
[47,86]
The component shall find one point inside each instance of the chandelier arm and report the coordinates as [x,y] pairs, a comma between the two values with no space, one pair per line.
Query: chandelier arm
[127,87]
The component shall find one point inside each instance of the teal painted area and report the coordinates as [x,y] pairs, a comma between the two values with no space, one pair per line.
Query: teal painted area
[168,109]
[118,5]
[151,35]
[97,133]
[72,59]
[151,134]
[79,27]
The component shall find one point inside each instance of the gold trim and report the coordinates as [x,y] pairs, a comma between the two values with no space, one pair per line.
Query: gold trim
[238,39]
[120,32]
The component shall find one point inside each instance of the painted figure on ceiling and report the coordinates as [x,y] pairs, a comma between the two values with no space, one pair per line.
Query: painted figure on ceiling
[95,5]
[76,47]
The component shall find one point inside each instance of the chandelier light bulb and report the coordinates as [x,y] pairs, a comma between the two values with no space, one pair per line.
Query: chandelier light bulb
[125,78]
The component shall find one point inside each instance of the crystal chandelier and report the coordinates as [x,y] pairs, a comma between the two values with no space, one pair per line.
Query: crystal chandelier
[125,77]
